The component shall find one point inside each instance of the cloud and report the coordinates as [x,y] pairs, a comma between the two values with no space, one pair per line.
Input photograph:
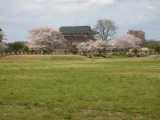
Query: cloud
[71,7]
[38,1]
[151,7]
[74,5]
[31,6]
[67,0]
[2,18]
[101,2]
[141,16]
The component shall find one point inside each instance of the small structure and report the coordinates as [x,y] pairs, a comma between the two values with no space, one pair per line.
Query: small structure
[155,57]
[147,51]
[76,34]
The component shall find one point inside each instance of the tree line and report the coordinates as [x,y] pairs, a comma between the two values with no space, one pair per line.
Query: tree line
[47,39]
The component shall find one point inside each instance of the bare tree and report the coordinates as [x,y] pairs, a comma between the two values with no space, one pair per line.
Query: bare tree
[106,30]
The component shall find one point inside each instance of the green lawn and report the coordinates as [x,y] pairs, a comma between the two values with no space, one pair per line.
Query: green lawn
[75,87]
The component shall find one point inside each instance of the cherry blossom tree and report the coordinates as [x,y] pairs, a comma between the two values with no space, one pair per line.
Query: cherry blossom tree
[92,46]
[127,42]
[101,46]
[83,47]
[3,45]
[139,34]
[42,38]
[98,45]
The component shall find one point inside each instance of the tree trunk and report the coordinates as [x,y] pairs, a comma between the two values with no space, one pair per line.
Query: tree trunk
[92,57]
[84,53]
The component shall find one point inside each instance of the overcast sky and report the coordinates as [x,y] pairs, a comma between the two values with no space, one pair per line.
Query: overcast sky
[17,16]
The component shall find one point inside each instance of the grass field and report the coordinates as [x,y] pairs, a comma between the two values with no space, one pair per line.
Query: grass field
[75,87]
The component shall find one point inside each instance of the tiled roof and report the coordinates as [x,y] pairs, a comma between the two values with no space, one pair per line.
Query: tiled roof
[78,40]
[75,29]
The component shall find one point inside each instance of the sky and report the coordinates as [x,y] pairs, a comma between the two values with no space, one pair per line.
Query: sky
[17,16]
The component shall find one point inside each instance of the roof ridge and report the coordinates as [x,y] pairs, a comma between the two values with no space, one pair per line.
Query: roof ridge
[76,26]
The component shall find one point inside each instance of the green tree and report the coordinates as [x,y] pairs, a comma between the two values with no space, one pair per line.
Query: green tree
[153,44]
[25,48]
[1,36]
[73,49]
[15,46]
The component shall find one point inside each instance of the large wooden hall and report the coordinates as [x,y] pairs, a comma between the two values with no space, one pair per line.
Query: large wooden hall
[76,34]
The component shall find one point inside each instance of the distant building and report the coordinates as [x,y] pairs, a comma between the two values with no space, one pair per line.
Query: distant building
[144,50]
[76,34]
